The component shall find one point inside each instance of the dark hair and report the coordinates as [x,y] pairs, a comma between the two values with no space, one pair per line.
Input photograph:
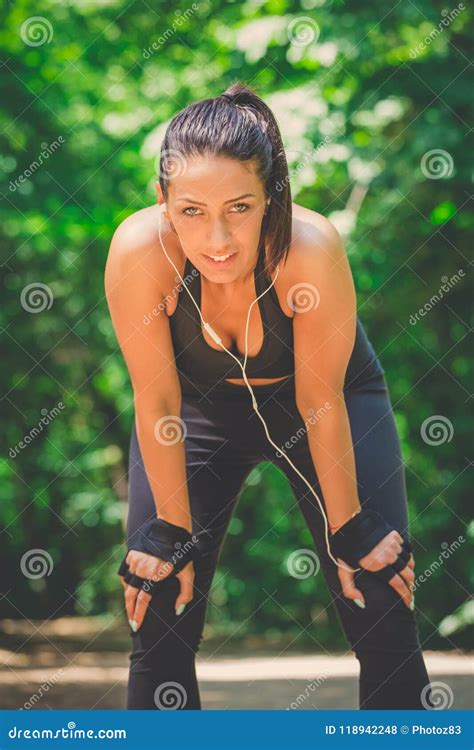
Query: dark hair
[237,124]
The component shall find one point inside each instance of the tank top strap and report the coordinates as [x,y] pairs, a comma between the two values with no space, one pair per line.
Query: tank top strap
[187,267]
[189,274]
[263,281]
[260,275]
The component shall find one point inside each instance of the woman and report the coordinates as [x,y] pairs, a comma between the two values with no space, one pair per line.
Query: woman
[232,234]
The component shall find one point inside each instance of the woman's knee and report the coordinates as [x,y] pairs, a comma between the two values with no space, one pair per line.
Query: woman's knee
[166,635]
[385,624]
[393,679]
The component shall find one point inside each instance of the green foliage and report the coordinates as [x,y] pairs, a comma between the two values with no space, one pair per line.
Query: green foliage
[372,97]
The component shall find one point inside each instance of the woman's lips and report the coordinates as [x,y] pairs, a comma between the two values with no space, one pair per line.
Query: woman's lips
[219,263]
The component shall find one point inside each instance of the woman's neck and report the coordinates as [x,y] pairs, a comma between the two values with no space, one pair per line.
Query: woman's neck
[242,287]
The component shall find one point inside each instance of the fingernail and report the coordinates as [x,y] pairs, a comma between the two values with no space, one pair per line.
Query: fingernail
[412,604]
[180,609]
[133,625]
[359,603]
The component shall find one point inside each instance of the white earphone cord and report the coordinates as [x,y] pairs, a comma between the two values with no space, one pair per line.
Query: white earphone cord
[218,340]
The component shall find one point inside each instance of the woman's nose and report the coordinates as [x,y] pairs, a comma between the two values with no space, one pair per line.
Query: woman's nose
[219,238]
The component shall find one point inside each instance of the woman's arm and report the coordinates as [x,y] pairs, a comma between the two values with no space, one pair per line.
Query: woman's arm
[324,333]
[133,284]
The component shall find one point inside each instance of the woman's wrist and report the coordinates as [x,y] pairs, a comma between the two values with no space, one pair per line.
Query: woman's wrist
[182,520]
[335,527]
[164,539]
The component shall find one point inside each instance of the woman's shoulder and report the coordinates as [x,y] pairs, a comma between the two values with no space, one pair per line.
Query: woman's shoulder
[313,235]
[136,242]
[139,233]
[316,251]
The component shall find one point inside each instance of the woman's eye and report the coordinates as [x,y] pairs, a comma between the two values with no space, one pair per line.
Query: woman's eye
[242,208]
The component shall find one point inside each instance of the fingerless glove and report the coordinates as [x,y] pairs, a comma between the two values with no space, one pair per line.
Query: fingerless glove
[356,538]
[160,538]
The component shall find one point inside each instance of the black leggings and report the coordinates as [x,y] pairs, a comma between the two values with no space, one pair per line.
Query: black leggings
[224,441]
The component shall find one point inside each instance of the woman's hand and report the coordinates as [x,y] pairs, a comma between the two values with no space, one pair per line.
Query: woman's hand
[153,569]
[384,553]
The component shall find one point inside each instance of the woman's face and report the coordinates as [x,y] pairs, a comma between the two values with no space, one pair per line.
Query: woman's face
[216,206]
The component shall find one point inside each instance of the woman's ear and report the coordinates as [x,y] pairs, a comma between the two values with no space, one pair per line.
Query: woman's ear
[159,192]
[162,203]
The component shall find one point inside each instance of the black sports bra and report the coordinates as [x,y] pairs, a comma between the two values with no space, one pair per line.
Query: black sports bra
[201,364]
